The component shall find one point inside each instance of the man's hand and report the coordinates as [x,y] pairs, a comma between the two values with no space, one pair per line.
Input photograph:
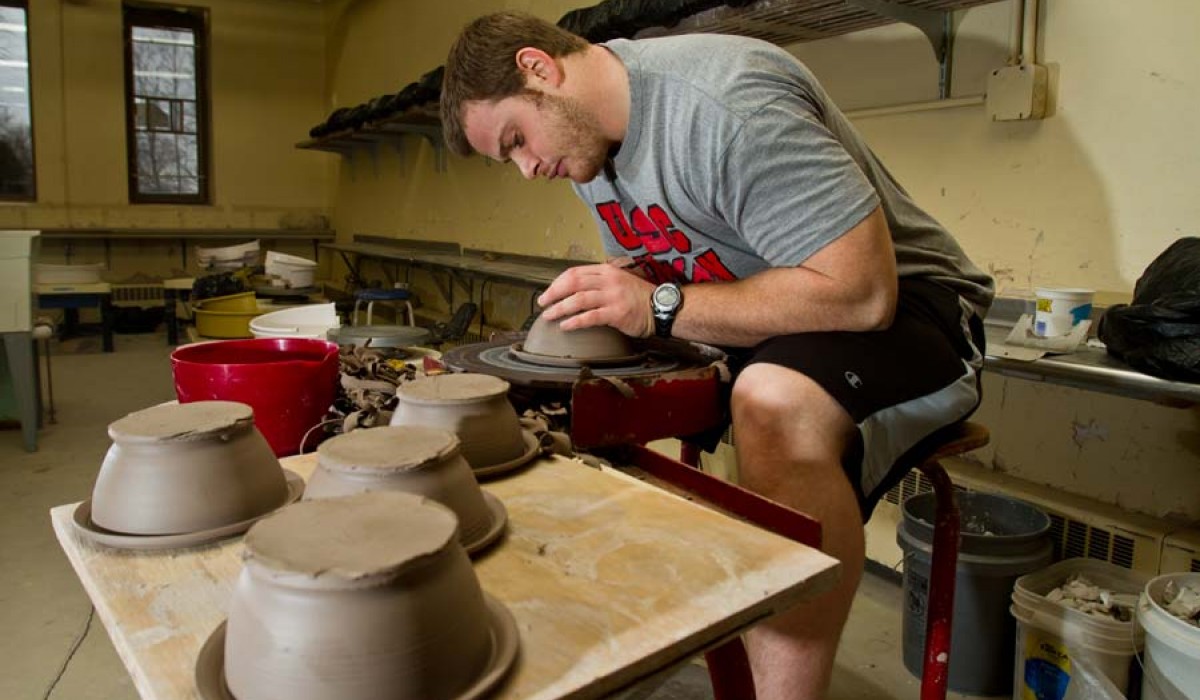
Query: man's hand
[600,295]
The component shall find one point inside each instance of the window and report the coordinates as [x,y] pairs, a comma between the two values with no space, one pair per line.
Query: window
[16,123]
[167,104]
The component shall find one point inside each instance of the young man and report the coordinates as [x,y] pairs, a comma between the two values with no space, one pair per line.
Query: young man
[718,169]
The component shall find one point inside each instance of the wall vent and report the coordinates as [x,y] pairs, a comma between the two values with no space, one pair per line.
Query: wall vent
[1181,552]
[137,294]
[913,484]
[1079,527]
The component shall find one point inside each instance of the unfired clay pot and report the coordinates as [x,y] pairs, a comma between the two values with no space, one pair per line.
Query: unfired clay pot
[593,343]
[412,459]
[364,597]
[177,468]
[475,407]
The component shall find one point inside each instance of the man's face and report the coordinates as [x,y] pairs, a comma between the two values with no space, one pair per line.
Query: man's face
[545,135]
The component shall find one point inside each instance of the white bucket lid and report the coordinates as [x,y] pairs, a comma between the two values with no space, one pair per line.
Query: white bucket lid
[1070,293]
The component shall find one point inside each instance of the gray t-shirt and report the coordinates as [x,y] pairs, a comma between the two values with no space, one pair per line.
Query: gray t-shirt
[735,161]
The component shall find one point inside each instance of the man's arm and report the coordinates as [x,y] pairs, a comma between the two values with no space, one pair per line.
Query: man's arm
[848,285]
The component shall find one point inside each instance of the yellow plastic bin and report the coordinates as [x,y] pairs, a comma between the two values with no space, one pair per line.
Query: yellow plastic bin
[224,324]
[243,301]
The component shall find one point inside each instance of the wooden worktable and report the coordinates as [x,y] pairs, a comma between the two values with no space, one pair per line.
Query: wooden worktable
[610,579]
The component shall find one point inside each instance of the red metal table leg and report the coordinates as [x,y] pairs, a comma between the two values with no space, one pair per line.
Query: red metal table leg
[940,610]
[729,671]
[689,454]
[728,665]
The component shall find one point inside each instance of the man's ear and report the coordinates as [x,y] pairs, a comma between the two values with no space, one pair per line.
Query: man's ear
[539,68]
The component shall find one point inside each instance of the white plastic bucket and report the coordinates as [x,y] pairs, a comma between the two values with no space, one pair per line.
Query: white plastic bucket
[1060,310]
[1172,645]
[296,272]
[1052,638]
[311,321]
[229,257]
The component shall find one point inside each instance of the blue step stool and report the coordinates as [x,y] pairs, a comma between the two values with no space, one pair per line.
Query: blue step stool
[370,296]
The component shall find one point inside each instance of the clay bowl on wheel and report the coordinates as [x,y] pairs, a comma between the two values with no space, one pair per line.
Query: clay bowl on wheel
[412,459]
[367,597]
[475,407]
[177,468]
[597,343]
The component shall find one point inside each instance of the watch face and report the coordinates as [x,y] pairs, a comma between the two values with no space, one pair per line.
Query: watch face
[666,296]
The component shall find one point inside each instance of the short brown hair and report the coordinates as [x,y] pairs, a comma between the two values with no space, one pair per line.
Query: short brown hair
[482,66]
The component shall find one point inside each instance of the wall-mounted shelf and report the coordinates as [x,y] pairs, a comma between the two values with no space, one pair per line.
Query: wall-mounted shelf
[786,22]
[390,130]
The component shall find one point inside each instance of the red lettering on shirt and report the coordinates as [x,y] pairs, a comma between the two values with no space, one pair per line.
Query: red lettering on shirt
[612,215]
[668,249]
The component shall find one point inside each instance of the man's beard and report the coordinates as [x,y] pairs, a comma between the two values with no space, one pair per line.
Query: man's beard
[576,134]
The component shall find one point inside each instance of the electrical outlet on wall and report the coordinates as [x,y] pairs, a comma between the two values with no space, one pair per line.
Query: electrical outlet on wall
[1017,92]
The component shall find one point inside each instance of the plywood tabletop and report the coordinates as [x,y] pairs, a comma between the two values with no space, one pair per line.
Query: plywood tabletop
[609,579]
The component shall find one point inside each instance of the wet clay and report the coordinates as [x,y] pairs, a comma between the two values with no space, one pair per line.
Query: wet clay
[474,407]
[367,596]
[183,468]
[320,538]
[410,459]
[593,343]
[380,449]
[172,422]
[454,387]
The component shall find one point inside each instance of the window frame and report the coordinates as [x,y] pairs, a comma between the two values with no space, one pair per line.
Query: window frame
[134,14]
[33,192]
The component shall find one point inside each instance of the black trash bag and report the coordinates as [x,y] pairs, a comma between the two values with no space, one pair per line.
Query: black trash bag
[1159,333]
[219,284]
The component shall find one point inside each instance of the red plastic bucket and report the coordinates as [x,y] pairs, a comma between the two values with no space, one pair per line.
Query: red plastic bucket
[289,382]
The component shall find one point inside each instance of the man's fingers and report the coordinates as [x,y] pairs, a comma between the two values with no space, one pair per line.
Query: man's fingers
[574,304]
[573,280]
[585,319]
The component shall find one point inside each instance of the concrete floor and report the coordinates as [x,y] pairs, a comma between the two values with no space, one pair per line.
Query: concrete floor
[54,647]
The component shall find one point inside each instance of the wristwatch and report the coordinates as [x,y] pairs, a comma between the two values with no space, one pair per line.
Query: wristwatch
[664,304]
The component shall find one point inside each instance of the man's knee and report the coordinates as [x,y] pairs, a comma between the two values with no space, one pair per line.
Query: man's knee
[764,395]
[775,403]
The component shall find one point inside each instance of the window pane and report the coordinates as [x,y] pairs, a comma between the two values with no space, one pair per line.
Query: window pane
[166,123]
[189,117]
[16,131]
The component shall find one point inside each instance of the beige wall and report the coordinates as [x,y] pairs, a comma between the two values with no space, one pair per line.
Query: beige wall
[1085,198]
[378,47]
[267,88]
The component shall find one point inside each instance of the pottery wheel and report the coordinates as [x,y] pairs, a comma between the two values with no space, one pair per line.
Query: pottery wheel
[497,359]
[378,336]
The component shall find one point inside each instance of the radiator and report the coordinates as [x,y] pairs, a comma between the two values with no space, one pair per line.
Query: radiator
[1181,552]
[1079,527]
[137,294]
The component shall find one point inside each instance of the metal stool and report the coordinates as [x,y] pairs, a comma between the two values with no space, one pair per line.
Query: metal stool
[373,295]
[728,665]
[950,441]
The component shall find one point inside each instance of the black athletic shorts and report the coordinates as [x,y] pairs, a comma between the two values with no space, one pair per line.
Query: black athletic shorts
[899,385]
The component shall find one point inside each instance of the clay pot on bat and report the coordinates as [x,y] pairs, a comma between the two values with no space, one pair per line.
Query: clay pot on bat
[177,468]
[368,597]
[411,459]
[547,338]
[475,407]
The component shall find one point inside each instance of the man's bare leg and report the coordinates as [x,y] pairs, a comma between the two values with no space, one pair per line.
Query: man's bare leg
[790,437]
